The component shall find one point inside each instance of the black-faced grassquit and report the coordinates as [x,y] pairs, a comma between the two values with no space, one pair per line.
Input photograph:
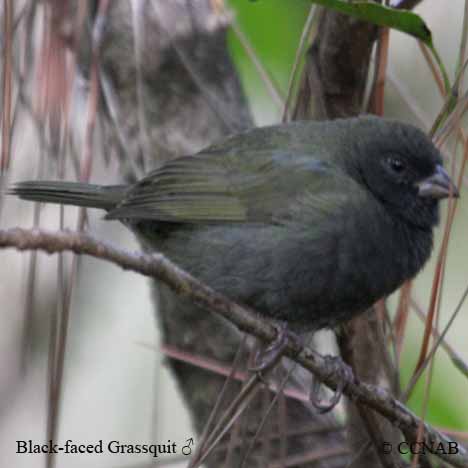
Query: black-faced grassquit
[308,222]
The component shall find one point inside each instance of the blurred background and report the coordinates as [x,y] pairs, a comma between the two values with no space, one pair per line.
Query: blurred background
[116,386]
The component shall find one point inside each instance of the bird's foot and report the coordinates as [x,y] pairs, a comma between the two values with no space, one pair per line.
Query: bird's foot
[336,365]
[267,358]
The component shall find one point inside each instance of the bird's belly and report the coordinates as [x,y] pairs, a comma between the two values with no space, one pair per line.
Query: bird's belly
[357,275]
[307,286]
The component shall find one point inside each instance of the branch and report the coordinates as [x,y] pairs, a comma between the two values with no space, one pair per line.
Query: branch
[159,267]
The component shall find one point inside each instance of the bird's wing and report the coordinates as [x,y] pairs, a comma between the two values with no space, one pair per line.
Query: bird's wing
[258,186]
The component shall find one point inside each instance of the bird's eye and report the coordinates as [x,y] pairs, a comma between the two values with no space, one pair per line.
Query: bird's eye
[396,165]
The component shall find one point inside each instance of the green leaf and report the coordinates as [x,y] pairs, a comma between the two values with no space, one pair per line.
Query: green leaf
[402,20]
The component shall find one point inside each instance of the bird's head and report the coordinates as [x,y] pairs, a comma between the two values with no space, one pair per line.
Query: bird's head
[402,168]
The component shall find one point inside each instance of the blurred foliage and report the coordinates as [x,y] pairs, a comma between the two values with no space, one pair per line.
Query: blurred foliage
[443,411]
[274,29]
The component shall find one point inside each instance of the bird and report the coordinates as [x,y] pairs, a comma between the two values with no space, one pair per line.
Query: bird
[309,223]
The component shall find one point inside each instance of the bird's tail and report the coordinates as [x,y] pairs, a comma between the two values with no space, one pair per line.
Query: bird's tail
[70,193]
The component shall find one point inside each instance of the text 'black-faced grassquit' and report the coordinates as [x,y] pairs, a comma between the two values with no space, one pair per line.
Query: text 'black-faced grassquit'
[308,223]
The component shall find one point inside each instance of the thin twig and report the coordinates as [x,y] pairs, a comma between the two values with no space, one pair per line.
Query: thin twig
[378,88]
[432,67]
[7,84]
[230,416]
[221,369]
[138,25]
[442,335]
[454,356]
[376,437]
[409,99]
[264,419]
[270,84]
[310,457]
[303,41]
[188,62]
[111,102]
[463,43]
[214,412]
[401,318]
[59,351]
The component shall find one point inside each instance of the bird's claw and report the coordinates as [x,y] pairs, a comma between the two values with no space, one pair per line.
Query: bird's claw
[336,365]
[267,358]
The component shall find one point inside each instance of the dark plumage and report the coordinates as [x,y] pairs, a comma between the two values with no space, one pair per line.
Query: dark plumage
[309,222]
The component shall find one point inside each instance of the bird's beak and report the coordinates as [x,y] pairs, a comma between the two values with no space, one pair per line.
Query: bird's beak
[438,185]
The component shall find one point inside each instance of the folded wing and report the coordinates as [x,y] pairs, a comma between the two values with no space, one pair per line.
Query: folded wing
[258,186]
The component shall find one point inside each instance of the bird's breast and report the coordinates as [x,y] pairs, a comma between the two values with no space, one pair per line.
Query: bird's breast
[375,264]
[366,258]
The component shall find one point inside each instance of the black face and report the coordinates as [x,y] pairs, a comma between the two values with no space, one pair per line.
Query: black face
[403,169]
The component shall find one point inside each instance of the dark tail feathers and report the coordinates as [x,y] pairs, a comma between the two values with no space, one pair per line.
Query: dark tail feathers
[70,193]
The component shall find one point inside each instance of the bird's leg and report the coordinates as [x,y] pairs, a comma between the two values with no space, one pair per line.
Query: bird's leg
[335,364]
[267,358]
